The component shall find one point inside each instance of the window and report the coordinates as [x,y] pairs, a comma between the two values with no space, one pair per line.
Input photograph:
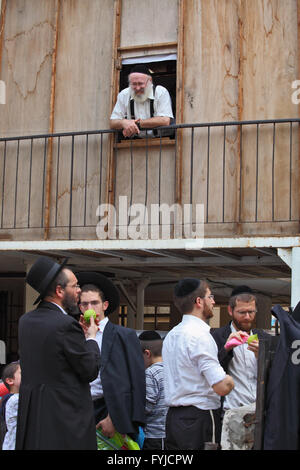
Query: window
[156,317]
[164,73]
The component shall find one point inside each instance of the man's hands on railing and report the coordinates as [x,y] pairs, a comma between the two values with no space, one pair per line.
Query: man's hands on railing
[131,127]
[128,126]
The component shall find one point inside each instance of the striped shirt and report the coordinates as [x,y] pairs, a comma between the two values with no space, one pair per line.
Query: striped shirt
[156,409]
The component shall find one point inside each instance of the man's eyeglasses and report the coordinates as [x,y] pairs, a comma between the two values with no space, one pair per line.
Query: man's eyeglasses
[93,303]
[210,296]
[76,286]
[250,312]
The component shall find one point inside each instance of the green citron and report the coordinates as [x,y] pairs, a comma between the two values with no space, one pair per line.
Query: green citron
[88,314]
[252,338]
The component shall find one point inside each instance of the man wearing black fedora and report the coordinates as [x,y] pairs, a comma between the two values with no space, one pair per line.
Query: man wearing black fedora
[119,392]
[58,360]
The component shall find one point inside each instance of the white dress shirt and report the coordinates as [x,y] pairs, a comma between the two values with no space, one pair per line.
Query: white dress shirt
[11,414]
[243,370]
[191,366]
[96,386]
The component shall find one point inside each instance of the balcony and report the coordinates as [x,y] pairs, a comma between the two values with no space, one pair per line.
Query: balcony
[235,179]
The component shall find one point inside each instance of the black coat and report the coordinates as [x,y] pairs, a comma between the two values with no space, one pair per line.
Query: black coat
[123,377]
[221,335]
[57,364]
[282,409]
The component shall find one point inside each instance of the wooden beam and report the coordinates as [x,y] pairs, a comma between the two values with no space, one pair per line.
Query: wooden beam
[142,143]
[114,88]
[160,45]
[51,126]
[240,116]
[2,25]
[126,294]
[180,98]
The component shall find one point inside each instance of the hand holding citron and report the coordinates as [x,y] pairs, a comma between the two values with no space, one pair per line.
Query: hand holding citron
[88,314]
[252,338]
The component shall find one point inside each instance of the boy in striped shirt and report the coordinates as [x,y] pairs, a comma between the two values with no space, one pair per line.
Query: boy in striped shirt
[156,409]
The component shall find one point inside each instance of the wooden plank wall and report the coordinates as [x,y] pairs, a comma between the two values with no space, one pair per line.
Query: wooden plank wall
[56,63]
[240,58]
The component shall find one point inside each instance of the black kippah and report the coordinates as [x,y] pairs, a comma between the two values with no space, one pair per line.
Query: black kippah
[140,68]
[241,290]
[186,286]
[149,335]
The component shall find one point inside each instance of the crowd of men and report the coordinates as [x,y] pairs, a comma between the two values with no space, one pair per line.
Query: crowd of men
[79,376]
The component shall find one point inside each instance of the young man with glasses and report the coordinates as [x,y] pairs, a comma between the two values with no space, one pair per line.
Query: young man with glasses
[240,360]
[194,381]
[119,391]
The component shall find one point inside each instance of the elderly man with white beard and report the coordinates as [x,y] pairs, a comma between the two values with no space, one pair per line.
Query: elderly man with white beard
[151,108]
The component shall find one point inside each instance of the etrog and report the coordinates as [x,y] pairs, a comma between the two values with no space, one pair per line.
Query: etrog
[88,314]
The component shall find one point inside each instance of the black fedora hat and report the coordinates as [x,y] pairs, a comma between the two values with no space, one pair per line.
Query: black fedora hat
[42,274]
[241,290]
[108,288]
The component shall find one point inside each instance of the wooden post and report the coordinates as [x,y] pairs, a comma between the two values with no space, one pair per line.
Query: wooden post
[2,24]
[240,130]
[115,78]
[51,127]
[180,98]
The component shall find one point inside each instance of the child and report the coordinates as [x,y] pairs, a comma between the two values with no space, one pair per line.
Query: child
[156,410]
[9,410]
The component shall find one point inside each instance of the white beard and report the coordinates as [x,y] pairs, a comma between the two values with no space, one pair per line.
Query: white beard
[142,98]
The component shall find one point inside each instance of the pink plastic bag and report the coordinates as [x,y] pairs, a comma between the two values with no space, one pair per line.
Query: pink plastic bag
[236,342]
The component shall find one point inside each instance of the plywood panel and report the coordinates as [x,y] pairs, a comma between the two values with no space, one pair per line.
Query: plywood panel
[84,65]
[246,62]
[211,58]
[145,176]
[82,102]
[145,22]
[268,68]
[26,66]
[87,182]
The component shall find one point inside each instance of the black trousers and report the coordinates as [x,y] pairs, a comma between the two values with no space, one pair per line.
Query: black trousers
[100,409]
[189,428]
[151,443]
[101,412]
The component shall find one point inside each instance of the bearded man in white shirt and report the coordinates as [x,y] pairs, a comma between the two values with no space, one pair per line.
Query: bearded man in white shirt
[194,378]
[240,360]
[132,112]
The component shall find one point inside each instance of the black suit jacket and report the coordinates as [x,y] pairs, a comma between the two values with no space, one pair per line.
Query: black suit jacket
[282,410]
[57,364]
[123,378]
[221,335]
